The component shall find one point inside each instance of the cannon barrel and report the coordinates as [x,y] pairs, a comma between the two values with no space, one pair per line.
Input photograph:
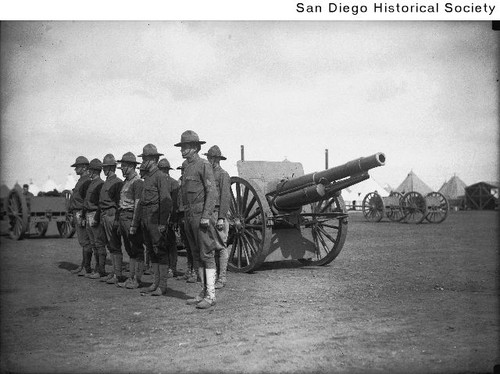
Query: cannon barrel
[293,193]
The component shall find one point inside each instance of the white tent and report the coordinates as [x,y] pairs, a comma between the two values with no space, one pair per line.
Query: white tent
[50,185]
[454,188]
[413,183]
[70,182]
[354,195]
[33,188]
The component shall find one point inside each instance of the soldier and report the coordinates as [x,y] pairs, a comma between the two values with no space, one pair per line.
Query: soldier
[223,184]
[94,227]
[76,210]
[129,217]
[147,261]
[164,167]
[156,206]
[199,197]
[109,200]
[191,274]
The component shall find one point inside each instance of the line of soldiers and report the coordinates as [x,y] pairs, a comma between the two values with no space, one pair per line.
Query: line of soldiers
[144,212]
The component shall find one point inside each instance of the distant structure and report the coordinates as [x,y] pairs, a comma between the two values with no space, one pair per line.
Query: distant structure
[413,183]
[482,196]
[454,191]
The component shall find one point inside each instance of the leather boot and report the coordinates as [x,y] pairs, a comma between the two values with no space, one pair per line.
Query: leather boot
[203,293]
[111,275]
[156,278]
[80,268]
[209,300]
[162,286]
[87,260]
[139,271]
[115,258]
[133,280]
[129,280]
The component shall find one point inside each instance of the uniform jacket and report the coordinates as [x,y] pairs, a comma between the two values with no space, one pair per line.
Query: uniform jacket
[79,192]
[130,193]
[91,201]
[223,184]
[156,199]
[174,193]
[199,193]
[110,193]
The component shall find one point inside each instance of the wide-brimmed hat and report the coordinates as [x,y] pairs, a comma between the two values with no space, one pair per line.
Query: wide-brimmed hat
[80,160]
[214,151]
[130,158]
[109,160]
[164,164]
[95,164]
[149,150]
[189,136]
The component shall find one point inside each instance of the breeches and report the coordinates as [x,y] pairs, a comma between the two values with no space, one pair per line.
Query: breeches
[113,239]
[202,241]
[133,243]
[156,243]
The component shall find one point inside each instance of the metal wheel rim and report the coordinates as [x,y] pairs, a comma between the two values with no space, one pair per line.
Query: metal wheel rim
[395,214]
[437,214]
[414,207]
[249,236]
[329,233]
[373,207]
[17,211]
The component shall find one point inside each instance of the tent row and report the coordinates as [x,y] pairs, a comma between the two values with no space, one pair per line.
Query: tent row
[481,195]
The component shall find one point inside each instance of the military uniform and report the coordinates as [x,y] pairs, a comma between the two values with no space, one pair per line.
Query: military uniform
[199,196]
[76,209]
[223,185]
[109,199]
[191,274]
[94,227]
[171,240]
[156,207]
[129,217]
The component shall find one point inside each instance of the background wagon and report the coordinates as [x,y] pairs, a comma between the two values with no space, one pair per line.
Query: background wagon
[28,215]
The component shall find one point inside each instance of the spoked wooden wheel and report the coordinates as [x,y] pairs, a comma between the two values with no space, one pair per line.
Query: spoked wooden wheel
[373,207]
[67,228]
[249,235]
[414,207]
[328,224]
[437,207]
[393,207]
[17,210]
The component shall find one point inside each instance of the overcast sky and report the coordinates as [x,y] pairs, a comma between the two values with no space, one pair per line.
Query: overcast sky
[424,93]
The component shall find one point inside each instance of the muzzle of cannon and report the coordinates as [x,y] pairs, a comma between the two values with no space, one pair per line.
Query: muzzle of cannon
[293,193]
[279,213]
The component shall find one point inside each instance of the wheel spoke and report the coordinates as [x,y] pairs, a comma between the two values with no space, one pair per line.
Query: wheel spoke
[325,233]
[249,209]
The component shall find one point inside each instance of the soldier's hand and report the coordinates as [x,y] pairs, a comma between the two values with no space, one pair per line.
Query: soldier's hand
[132,230]
[220,224]
[83,223]
[204,222]
[162,228]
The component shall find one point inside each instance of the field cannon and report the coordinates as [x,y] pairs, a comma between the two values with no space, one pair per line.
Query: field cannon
[277,213]
[29,215]
[411,207]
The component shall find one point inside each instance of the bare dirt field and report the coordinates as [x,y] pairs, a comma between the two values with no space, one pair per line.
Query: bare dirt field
[399,298]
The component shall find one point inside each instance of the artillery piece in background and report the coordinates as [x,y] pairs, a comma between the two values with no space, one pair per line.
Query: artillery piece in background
[277,213]
[411,207]
[29,215]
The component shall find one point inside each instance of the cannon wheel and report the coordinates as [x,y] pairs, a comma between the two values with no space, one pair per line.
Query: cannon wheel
[249,236]
[17,210]
[41,228]
[373,207]
[395,214]
[66,228]
[328,224]
[437,213]
[414,207]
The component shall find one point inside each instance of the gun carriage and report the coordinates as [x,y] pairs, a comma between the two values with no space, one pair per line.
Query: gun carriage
[277,213]
[29,215]
[411,207]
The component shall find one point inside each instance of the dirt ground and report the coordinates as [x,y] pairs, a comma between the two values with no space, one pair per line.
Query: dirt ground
[399,298]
